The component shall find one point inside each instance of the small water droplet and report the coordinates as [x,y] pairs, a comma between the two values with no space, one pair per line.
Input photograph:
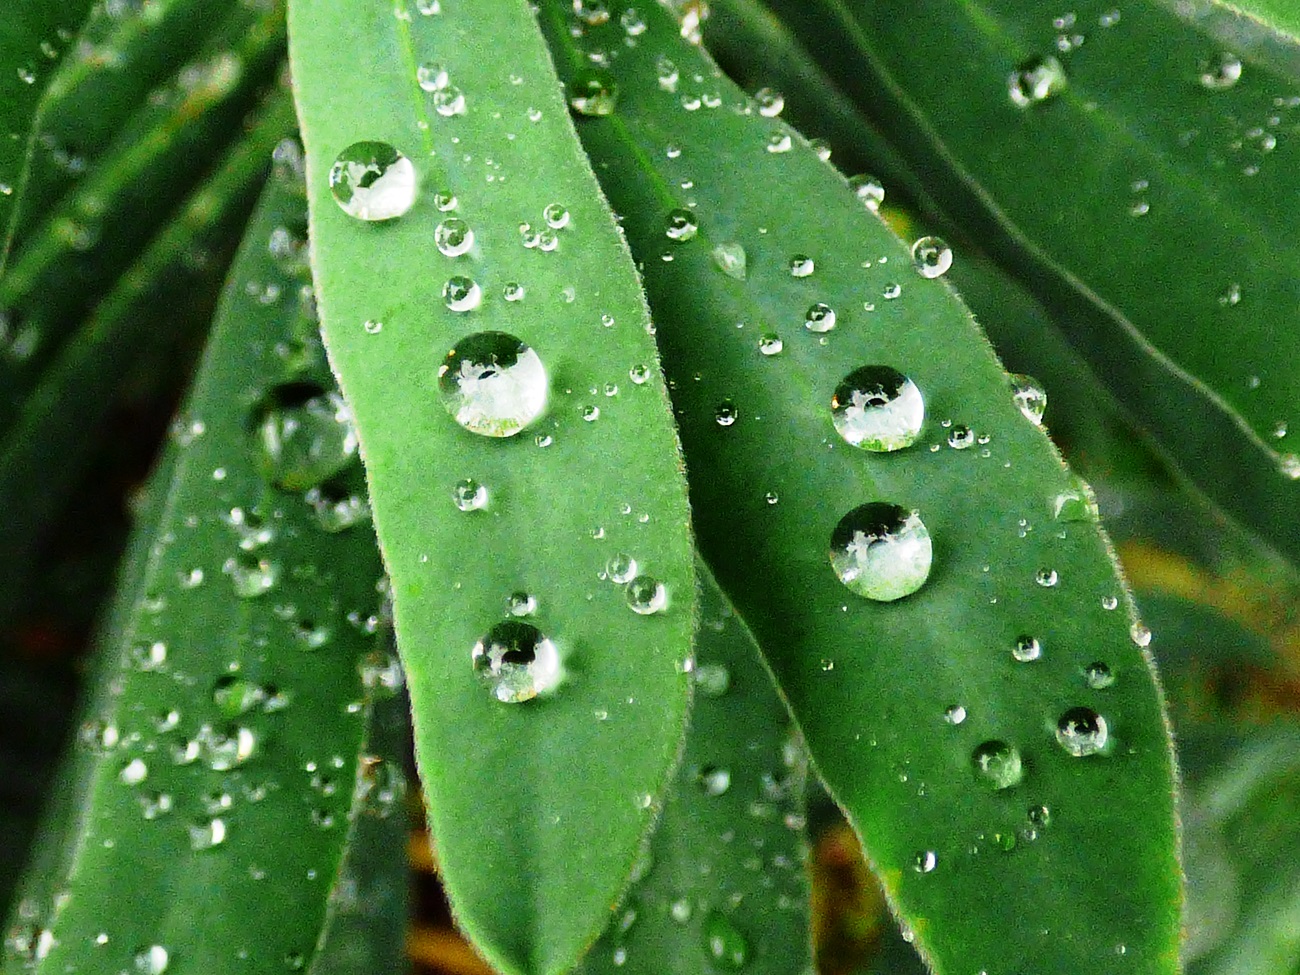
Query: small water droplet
[462,294]
[453,237]
[1231,295]
[724,944]
[429,7]
[770,102]
[681,225]
[881,551]
[1082,732]
[877,408]
[925,861]
[133,772]
[593,92]
[235,696]
[954,714]
[591,413]
[639,374]
[1098,675]
[712,680]
[302,435]
[779,142]
[731,260]
[891,291]
[819,318]
[1222,71]
[151,960]
[801,266]
[493,384]
[516,661]
[770,344]
[1109,602]
[1047,578]
[207,834]
[1027,649]
[726,413]
[1036,80]
[1140,634]
[372,181]
[1029,396]
[869,190]
[621,568]
[714,781]
[449,101]
[998,763]
[931,257]
[431,76]
[469,495]
[960,437]
[680,910]
[647,595]
[521,603]
[632,23]
[251,576]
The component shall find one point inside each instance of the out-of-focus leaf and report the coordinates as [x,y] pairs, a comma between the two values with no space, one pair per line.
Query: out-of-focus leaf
[538,807]
[941,746]
[1281,16]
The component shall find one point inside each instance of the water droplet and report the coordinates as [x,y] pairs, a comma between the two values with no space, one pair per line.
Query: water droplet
[1075,504]
[336,508]
[1289,465]
[770,102]
[449,101]
[801,266]
[493,384]
[998,763]
[680,910]
[207,834]
[1109,602]
[1027,649]
[1223,71]
[954,714]
[869,190]
[731,260]
[726,947]
[372,181]
[712,680]
[1082,732]
[429,7]
[1030,397]
[133,772]
[770,344]
[1047,578]
[632,23]
[594,93]
[621,568]
[819,318]
[881,551]
[462,294]
[445,200]
[779,142]
[469,495]
[250,575]
[1036,80]
[714,781]
[877,408]
[453,237]
[925,861]
[931,257]
[726,413]
[639,374]
[1140,634]
[151,960]
[517,662]
[646,595]
[431,76]
[521,603]
[1098,675]
[960,437]
[681,225]
[302,435]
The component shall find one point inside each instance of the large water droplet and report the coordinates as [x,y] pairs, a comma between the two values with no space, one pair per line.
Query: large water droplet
[516,661]
[647,595]
[878,408]
[770,102]
[931,257]
[881,551]
[731,260]
[1030,397]
[469,495]
[868,190]
[453,237]
[1082,731]
[726,947]
[1036,80]
[461,294]
[372,181]
[1221,72]
[621,568]
[151,960]
[1026,649]
[493,384]
[593,92]
[998,764]
[714,781]
[681,225]
[820,317]
[302,435]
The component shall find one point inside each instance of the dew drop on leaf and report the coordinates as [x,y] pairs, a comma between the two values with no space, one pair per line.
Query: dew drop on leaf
[646,595]
[681,225]
[931,257]
[1082,731]
[877,408]
[517,662]
[869,190]
[448,101]
[770,102]
[1029,396]
[521,603]
[801,266]
[453,237]
[960,437]
[881,551]
[1027,649]
[372,181]
[462,294]
[714,781]
[925,861]
[998,763]
[1035,81]
[724,944]
[1098,675]
[469,495]
[152,960]
[593,92]
[819,318]
[431,76]
[1222,71]
[1047,578]
[726,413]
[302,435]
[730,260]
[954,714]
[712,680]
[493,384]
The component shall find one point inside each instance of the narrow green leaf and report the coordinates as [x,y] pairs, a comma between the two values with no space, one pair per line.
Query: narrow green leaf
[33,36]
[901,702]
[226,715]
[538,808]
[1281,16]
[723,884]
[1144,196]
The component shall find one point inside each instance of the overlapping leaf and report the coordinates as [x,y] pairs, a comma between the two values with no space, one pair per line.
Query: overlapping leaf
[911,708]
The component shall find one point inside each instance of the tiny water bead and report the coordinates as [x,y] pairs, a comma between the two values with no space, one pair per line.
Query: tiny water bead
[681,225]
[714,781]
[770,102]
[954,714]
[593,93]
[556,216]
[646,596]
[881,551]
[1098,675]
[1027,649]
[1222,71]
[251,576]
[931,257]
[877,408]
[1036,80]
[724,944]
[998,763]
[448,101]
[302,435]
[801,266]
[1047,578]
[469,495]
[960,437]
[726,413]
[372,181]
[1082,731]
[731,260]
[1074,505]
[517,661]
[513,291]
[462,294]
[819,318]
[521,603]
[493,384]
[431,76]
[869,190]
[1029,396]
[621,568]
[925,861]
[639,374]
[453,237]
[770,344]
[1140,635]
[152,960]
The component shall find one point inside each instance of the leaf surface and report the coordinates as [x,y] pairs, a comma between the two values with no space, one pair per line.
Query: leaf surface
[872,683]
[538,808]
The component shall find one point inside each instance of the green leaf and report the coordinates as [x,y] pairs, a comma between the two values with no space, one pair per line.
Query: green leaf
[33,37]
[221,740]
[723,883]
[537,808]
[1281,16]
[871,682]
[1143,198]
